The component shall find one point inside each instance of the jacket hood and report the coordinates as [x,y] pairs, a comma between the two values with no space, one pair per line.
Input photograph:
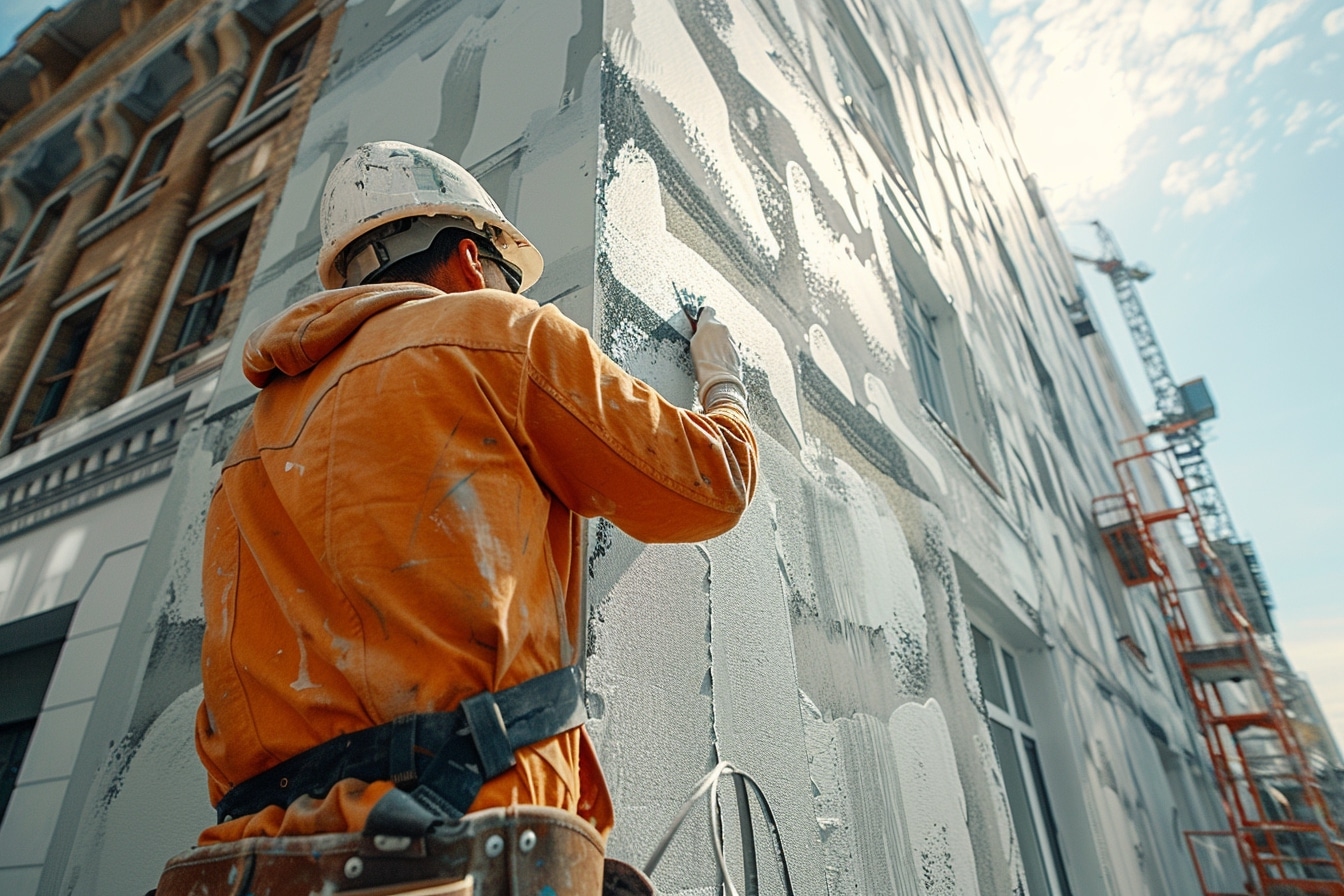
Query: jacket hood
[300,336]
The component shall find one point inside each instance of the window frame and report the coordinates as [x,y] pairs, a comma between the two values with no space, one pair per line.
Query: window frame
[1020,726]
[882,126]
[215,223]
[39,359]
[129,185]
[257,98]
[17,259]
[929,375]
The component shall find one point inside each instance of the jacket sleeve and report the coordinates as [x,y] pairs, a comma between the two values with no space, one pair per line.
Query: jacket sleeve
[606,443]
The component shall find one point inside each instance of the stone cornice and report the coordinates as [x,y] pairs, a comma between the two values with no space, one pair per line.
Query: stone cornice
[77,89]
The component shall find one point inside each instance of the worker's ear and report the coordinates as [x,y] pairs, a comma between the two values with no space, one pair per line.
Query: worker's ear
[468,259]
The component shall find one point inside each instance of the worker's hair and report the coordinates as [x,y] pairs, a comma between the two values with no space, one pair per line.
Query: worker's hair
[420,267]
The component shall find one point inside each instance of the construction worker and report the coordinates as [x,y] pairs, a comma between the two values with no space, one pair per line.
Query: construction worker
[393,560]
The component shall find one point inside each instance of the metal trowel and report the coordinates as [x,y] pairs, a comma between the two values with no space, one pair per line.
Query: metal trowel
[691,305]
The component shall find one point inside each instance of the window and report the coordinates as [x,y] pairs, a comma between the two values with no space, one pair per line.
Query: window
[285,62]
[201,296]
[1008,266]
[925,357]
[29,650]
[1014,738]
[52,381]
[1054,409]
[14,739]
[39,234]
[868,96]
[154,150]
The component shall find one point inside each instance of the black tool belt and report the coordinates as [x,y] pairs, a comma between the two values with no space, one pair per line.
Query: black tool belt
[442,758]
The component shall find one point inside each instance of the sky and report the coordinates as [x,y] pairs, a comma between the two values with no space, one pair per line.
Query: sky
[1208,135]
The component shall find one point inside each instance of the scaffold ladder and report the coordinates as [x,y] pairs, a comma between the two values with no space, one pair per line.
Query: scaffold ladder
[1276,810]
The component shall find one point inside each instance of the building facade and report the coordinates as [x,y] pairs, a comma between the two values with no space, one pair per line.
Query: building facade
[915,640]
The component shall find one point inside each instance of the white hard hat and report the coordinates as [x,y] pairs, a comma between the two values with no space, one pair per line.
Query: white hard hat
[389,181]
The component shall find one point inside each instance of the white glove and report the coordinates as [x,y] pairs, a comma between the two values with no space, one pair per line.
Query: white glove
[718,367]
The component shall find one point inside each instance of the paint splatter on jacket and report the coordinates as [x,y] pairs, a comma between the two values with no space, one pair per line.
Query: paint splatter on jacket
[396,528]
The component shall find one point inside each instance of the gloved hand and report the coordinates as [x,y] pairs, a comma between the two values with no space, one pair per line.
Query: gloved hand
[718,367]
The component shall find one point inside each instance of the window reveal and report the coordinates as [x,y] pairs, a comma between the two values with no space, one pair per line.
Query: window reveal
[49,388]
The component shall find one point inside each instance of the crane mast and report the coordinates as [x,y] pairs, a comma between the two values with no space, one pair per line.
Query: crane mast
[1179,415]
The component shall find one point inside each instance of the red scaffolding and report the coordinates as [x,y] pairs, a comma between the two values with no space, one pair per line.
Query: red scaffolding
[1278,817]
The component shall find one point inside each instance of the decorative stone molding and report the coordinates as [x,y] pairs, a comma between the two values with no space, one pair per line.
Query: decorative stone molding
[87,287]
[131,453]
[119,214]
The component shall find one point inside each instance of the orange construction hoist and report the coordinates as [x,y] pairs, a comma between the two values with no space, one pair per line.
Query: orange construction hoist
[1284,841]
[1277,813]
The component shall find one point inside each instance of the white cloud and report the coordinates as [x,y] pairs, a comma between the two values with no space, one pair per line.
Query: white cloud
[1212,182]
[1193,134]
[1298,117]
[1330,136]
[1088,83]
[1259,117]
[1272,56]
[1333,23]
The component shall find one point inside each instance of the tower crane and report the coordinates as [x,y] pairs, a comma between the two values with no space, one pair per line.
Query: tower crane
[1182,408]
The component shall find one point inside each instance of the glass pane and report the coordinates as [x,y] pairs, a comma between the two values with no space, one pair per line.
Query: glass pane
[1015,683]
[13,744]
[987,670]
[1038,884]
[1051,829]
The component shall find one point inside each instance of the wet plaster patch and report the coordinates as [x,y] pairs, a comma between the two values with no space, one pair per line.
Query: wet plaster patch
[650,686]
[649,41]
[860,808]
[935,806]
[659,270]
[871,581]
[755,684]
[160,808]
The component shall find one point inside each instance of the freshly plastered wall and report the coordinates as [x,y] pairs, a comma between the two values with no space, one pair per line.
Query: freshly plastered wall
[838,179]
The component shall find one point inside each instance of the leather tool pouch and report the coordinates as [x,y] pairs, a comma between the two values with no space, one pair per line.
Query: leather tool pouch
[517,850]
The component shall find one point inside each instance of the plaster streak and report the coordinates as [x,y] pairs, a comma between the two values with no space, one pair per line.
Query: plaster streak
[531,32]
[835,271]
[756,685]
[656,266]
[303,682]
[935,805]
[828,359]
[795,29]
[883,407]
[938,558]
[416,82]
[782,85]
[657,52]
[886,862]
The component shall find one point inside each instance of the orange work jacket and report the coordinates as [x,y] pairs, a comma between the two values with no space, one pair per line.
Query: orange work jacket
[396,528]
